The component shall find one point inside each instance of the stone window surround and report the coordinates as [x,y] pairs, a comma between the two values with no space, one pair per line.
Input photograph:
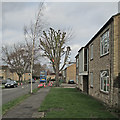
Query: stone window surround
[107,77]
[103,54]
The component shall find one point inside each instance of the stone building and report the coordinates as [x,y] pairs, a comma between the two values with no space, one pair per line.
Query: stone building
[71,73]
[103,53]
[6,73]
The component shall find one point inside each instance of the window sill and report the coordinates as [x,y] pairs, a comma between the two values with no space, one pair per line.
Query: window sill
[104,92]
[91,86]
[91,59]
[104,55]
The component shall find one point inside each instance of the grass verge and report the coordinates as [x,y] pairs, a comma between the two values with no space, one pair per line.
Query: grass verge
[10,104]
[70,103]
[3,86]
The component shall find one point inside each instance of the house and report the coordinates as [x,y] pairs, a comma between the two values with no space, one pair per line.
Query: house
[99,64]
[52,76]
[6,73]
[70,73]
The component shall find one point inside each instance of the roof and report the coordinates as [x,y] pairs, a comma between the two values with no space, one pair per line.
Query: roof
[70,65]
[81,49]
[102,28]
[4,67]
[54,74]
[76,55]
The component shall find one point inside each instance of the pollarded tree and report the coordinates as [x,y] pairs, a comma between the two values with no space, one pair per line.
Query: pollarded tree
[53,45]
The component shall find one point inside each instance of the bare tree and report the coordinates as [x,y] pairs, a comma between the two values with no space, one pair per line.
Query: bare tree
[19,58]
[37,67]
[53,45]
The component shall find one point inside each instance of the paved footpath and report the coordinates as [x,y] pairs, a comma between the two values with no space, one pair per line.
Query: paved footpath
[29,107]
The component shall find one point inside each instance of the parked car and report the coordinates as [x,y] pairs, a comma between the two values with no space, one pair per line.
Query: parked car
[33,81]
[11,83]
[5,81]
[53,80]
[71,82]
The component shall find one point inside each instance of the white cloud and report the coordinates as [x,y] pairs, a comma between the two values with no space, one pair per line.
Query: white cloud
[85,19]
[11,36]
[75,47]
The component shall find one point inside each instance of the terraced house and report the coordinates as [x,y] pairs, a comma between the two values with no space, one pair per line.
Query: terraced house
[99,64]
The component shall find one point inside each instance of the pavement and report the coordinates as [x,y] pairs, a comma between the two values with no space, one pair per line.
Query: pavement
[29,107]
[65,85]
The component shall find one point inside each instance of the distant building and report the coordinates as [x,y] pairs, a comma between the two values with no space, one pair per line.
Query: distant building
[70,73]
[52,76]
[5,73]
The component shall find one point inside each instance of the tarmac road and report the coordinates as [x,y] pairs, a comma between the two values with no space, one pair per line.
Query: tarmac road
[9,94]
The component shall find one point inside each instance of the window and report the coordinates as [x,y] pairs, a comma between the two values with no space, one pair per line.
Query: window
[104,43]
[91,52]
[104,80]
[91,79]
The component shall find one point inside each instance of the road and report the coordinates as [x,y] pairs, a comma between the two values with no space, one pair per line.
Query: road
[9,94]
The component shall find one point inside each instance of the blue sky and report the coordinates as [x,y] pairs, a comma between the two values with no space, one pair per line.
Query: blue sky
[85,19]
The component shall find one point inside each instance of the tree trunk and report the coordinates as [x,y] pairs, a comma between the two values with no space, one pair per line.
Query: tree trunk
[57,76]
[19,77]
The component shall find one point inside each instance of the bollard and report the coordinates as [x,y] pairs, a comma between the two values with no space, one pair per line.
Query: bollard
[44,84]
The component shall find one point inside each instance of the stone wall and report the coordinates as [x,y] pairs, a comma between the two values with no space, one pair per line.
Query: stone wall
[71,73]
[97,64]
[116,62]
